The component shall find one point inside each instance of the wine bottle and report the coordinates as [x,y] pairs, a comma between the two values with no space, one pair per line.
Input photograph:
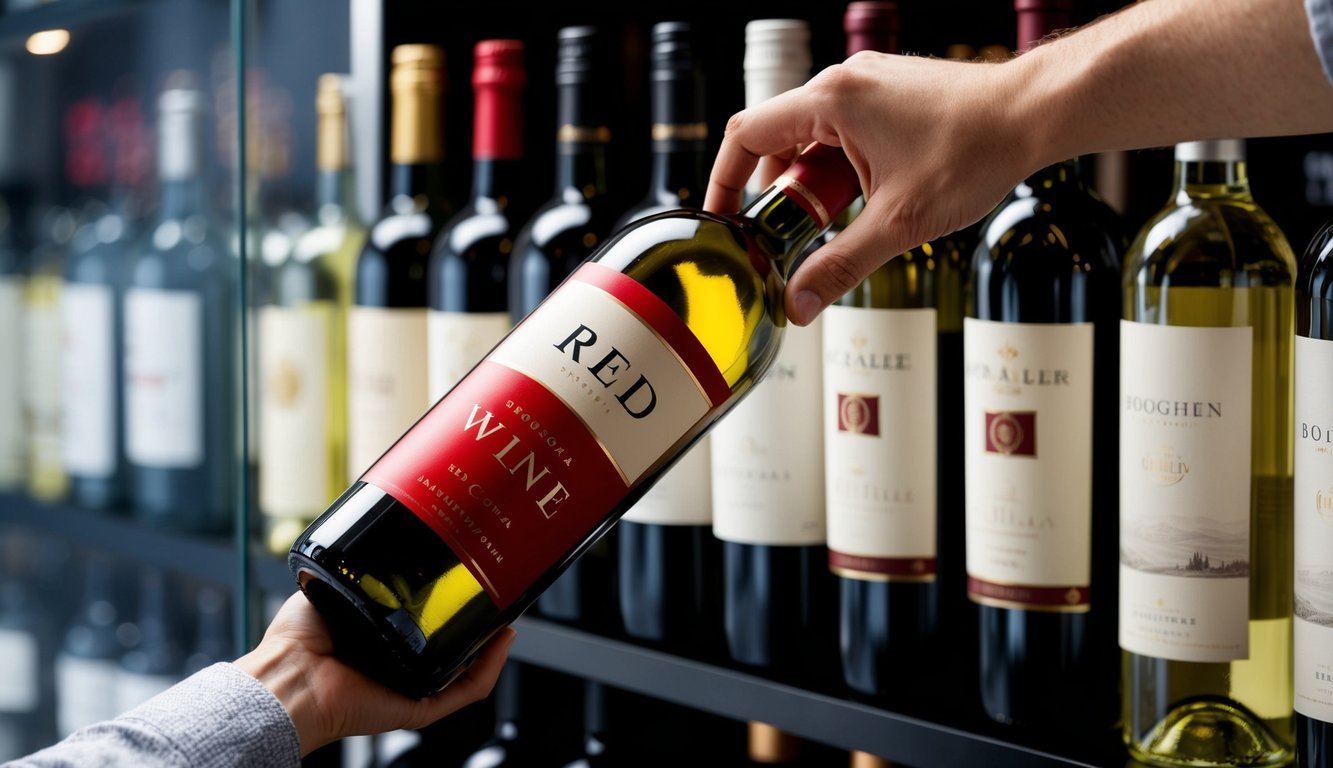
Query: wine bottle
[302,346]
[89,658]
[515,742]
[1206,474]
[179,317]
[1312,645]
[13,451]
[468,517]
[668,560]
[92,314]
[768,487]
[42,359]
[468,273]
[1039,346]
[158,661]
[386,326]
[22,632]
[554,242]
[892,360]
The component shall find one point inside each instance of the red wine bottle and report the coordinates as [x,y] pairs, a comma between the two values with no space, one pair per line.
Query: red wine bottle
[669,561]
[386,325]
[537,452]
[768,483]
[1313,638]
[558,238]
[1039,403]
[468,275]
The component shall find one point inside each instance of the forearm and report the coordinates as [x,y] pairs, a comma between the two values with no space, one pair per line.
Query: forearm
[1165,71]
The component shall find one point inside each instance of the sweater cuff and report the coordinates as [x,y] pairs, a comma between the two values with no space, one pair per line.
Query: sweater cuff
[221,716]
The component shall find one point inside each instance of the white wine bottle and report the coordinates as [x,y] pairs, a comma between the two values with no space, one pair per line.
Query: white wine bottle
[1206,474]
[536,453]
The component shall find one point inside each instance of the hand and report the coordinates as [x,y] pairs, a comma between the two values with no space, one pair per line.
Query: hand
[328,700]
[929,141]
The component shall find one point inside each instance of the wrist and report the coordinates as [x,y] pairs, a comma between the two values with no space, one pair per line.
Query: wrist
[1040,88]
[275,669]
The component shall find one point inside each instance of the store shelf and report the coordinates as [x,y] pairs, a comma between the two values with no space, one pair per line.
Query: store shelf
[15,26]
[838,722]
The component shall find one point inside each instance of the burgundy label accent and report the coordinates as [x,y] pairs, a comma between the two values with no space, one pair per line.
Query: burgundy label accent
[506,474]
[1037,20]
[1011,433]
[497,126]
[826,182]
[1070,598]
[901,567]
[858,414]
[664,321]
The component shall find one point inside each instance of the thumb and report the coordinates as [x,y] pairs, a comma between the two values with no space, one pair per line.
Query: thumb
[843,262]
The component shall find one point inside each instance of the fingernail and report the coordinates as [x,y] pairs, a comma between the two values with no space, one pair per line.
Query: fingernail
[807,305]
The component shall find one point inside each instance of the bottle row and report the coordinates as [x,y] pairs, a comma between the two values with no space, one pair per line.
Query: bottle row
[125,634]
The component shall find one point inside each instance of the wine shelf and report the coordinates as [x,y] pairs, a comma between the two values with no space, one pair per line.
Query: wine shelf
[15,26]
[821,717]
[840,722]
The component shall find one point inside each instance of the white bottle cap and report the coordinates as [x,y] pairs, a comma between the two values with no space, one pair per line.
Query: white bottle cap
[777,57]
[180,134]
[1213,150]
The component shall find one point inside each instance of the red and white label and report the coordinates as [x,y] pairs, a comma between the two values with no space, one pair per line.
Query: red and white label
[538,444]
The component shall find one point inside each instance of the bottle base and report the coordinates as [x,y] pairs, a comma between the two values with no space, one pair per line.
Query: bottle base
[1209,732]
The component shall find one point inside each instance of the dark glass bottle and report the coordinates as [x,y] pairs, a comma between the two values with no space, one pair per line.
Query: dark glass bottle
[1040,356]
[563,232]
[89,659]
[669,561]
[158,661]
[469,268]
[179,320]
[1314,332]
[386,329]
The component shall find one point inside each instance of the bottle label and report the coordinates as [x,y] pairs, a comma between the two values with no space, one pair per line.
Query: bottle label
[88,316]
[18,671]
[85,692]
[1185,413]
[1313,629]
[386,380]
[768,452]
[879,437]
[458,341]
[164,381]
[42,349]
[533,449]
[11,383]
[1027,410]
[295,455]
[683,495]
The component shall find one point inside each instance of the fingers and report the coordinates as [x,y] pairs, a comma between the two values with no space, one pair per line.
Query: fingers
[839,266]
[473,685]
[776,127]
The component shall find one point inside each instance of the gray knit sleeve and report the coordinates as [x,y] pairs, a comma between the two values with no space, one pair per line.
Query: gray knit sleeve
[1320,15]
[217,718]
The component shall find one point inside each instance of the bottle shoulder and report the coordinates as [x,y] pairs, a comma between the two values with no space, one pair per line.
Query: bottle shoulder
[1208,242]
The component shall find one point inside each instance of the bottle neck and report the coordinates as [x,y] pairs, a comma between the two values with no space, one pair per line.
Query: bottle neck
[678,173]
[581,140]
[336,189]
[784,228]
[182,197]
[494,179]
[1064,174]
[680,135]
[1211,170]
[421,182]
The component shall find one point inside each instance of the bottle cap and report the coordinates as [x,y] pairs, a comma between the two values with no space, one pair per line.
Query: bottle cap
[672,50]
[871,26]
[1039,18]
[498,78]
[1213,150]
[417,54]
[417,66]
[822,181]
[782,44]
[576,54]
[498,63]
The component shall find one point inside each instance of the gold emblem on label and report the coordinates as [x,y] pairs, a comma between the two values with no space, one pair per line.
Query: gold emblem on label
[284,386]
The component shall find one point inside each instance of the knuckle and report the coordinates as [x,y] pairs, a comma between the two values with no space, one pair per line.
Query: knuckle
[734,125]
[839,270]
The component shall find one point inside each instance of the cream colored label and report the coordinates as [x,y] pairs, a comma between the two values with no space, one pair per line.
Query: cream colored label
[18,671]
[43,361]
[768,453]
[11,382]
[457,341]
[1027,408]
[1314,529]
[682,496]
[1185,491]
[85,692]
[386,380]
[89,443]
[605,365]
[164,379]
[879,431]
[294,376]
